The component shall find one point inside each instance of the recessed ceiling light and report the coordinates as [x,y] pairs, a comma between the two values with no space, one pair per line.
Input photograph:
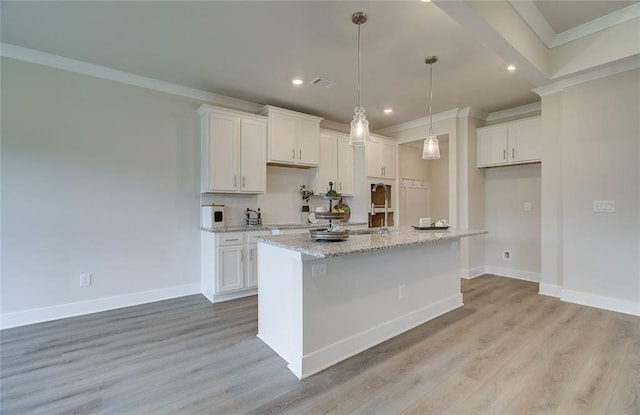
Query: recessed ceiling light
[511,68]
[297,81]
[425,1]
[388,110]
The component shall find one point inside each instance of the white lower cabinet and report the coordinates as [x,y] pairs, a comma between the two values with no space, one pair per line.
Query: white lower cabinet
[229,264]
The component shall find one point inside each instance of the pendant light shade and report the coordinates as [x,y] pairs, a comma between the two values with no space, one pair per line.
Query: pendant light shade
[431,147]
[359,126]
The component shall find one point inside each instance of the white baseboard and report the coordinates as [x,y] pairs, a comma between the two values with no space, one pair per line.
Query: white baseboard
[549,289]
[327,356]
[217,298]
[39,315]
[513,273]
[470,273]
[599,301]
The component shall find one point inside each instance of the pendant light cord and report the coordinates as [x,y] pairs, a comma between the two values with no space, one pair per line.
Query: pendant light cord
[430,98]
[359,102]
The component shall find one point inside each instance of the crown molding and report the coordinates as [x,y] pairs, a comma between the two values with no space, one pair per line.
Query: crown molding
[97,71]
[514,112]
[420,122]
[536,21]
[470,112]
[591,74]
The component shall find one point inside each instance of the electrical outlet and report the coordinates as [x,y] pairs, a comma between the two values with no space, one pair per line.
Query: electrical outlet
[506,255]
[319,269]
[604,206]
[401,291]
[85,280]
[527,206]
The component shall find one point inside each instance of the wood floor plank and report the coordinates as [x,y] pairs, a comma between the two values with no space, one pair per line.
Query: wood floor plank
[508,350]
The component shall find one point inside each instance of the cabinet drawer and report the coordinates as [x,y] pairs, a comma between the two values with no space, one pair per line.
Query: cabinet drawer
[252,235]
[229,238]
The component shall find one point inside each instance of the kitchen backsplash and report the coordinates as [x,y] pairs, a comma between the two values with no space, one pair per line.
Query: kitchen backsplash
[282,203]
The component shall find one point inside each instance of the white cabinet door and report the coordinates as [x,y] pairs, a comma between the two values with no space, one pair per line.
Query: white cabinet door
[381,159]
[328,166]
[283,138]
[222,164]
[492,146]
[346,170]
[233,151]
[308,142]
[230,268]
[374,166]
[525,142]
[253,156]
[293,137]
[514,142]
[251,265]
[388,160]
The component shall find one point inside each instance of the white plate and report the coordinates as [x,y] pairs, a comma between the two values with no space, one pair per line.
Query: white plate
[312,218]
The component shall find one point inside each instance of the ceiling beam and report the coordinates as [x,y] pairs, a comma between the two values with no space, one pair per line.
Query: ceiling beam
[502,30]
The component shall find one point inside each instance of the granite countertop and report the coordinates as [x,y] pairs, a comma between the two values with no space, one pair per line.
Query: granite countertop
[270,227]
[364,243]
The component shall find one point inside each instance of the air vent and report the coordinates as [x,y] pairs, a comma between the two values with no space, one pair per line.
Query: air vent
[324,83]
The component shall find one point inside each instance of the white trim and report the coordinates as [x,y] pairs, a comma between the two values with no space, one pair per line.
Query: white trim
[549,289]
[536,21]
[420,122]
[515,112]
[38,315]
[218,298]
[513,273]
[327,356]
[471,273]
[72,65]
[470,112]
[599,301]
[591,74]
[597,25]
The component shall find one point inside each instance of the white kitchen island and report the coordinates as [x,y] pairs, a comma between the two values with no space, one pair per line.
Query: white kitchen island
[322,302]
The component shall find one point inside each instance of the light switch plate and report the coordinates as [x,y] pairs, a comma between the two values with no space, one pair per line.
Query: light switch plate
[604,206]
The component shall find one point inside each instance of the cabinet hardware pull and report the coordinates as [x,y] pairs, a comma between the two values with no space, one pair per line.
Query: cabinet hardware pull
[293,153]
[231,240]
[242,181]
[340,186]
[300,154]
[235,181]
[504,154]
[513,152]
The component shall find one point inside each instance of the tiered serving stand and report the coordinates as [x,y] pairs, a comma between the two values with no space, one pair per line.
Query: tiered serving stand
[332,232]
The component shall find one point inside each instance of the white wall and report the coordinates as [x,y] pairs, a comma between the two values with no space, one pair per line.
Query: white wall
[510,227]
[601,161]
[435,172]
[97,177]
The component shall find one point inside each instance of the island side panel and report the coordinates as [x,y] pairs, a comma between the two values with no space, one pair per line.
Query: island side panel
[357,304]
[280,302]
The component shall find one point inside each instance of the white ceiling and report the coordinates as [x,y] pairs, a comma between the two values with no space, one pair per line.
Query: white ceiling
[565,15]
[251,51]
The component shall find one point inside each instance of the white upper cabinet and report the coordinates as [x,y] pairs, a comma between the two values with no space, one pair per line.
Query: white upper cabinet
[515,142]
[233,151]
[381,158]
[336,164]
[293,137]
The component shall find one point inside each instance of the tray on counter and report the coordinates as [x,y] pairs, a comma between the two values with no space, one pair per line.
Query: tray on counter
[430,228]
[323,234]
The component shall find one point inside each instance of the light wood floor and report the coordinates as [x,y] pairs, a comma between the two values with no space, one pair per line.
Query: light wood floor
[507,351]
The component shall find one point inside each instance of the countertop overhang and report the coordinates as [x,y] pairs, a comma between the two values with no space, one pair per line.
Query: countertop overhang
[272,227]
[365,243]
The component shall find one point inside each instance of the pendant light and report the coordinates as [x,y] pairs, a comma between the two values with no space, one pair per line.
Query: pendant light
[359,135]
[431,149]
